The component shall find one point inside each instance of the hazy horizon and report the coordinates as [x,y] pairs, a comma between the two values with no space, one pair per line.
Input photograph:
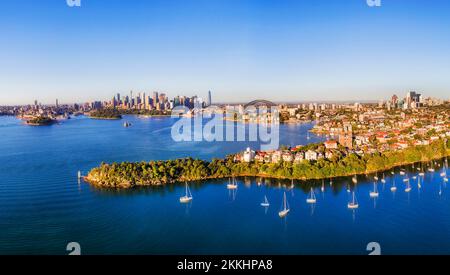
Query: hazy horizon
[278,50]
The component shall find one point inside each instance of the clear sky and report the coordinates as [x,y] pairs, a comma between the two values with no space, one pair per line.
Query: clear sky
[280,50]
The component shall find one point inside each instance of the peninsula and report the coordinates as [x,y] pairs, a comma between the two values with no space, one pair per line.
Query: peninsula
[106,113]
[40,121]
[128,175]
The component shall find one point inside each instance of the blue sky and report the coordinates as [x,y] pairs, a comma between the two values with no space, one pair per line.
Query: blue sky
[280,50]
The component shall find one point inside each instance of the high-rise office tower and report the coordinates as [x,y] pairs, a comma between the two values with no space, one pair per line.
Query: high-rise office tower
[162,98]
[144,101]
[155,98]
[209,103]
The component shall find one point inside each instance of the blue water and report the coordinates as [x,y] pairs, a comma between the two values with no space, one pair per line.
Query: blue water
[43,207]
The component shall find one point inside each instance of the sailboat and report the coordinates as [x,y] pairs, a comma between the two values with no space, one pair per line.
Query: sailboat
[188,197]
[422,173]
[393,188]
[308,137]
[431,169]
[353,204]
[265,203]
[233,185]
[374,193]
[323,187]
[408,187]
[402,172]
[376,177]
[444,173]
[312,197]
[126,124]
[383,180]
[355,179]
[285,211]
[419,185]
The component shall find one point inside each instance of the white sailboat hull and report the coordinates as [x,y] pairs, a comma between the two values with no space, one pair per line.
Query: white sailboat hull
[231,187]
[283,213]
[185,199]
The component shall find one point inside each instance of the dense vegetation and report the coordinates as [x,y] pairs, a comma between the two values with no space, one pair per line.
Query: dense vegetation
[40,121]
[105,113]
[145,112]
[125,175]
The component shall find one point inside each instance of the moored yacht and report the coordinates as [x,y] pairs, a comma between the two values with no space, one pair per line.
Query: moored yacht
[353,204]
[265,203]
[232,185]
[374,193]
[312,197]
[285,208]
[188,196]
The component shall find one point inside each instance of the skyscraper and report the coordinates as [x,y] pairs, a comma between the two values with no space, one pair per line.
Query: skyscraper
[209,103]
[155,99]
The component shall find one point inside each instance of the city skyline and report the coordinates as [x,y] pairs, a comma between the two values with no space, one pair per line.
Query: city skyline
[283,51]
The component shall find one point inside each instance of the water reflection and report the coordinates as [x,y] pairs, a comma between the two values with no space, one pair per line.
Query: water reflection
[409,178]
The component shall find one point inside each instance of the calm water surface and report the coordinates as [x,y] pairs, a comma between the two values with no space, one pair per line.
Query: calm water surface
[42,206]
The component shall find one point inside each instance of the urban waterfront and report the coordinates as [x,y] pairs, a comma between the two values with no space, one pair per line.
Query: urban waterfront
[43,207]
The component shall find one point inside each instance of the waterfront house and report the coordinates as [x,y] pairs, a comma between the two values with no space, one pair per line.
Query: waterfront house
[249,155]
[276,157]
[311,155]
[331,144]
[402,145]
[299,157]
[287,156]
[329,154]
[260,156]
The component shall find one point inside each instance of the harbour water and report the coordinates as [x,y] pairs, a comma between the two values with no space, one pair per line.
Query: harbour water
[43,207]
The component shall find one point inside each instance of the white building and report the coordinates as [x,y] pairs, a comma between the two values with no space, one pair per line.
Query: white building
[311,155]
[249,155]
